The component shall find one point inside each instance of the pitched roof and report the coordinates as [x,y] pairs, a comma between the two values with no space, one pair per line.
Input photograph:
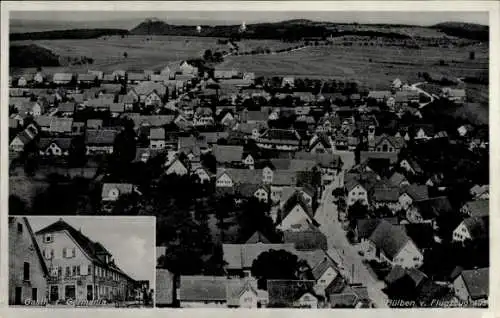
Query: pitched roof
[295,199]
[320,268]
[306,240]
[149,120]
[63,143]
[100,102]
[365,155]
[240,176]
[91,248]
[123,188]
[366,227]
[256,115]
[236,287]
[433,207]
[257,237]
[66,107]
[239,256]
[117,107]
[61,124]
[281,135]
[478,227]
[293,164]
[145,88]
[100,136]
[287,292]
[62,77]
[477,282]
[35,244]
[478,208]
[422,234]
[86,77]
[202,288]
[389,238]
[416,191]
[367,180]
[225,153]
[157,134]
[385,194]
[379,94]
[397,178]
[398,272]
[248,189]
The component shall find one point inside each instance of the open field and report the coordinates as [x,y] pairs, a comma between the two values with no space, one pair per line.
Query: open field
[354,63]
[142,54]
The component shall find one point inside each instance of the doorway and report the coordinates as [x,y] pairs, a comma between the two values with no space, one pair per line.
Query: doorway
[19,295]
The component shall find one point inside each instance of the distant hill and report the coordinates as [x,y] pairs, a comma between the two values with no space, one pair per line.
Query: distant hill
[464,30]
[31,56]
[66,34]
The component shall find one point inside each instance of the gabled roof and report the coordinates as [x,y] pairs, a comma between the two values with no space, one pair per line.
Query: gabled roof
[61,124]
[91,248]
[397,178]
[63,143]
[157,134]
[240,176]
[366,227]
[385,194]
[117,107]
[478,208]
[477,282]
[145,88]
[295,199]
[284,135]
[366,179]
[248,189]
[434,207]
[292,164]
[398,272]
[62,77]
[225,153]
[236,287]
[389,238]
[287,292]
[478,227]
[395,141]
[66,107]
[257,237]
[202,288]
[285,177]
[322,267]
[416,191]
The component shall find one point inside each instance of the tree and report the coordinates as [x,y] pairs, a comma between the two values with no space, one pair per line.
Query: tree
[356,211]
[77,152]
[472,55]
[125,54]
[124,146]
[274,264]
[207,55]
[209,161]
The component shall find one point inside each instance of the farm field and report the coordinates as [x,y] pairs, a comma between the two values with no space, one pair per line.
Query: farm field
[373,66]
[107,52]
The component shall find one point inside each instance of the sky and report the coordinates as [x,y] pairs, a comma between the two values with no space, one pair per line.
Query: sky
[230,17]
[131,240]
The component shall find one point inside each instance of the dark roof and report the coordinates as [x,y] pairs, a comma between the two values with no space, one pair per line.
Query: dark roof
[100,137]
[385,194]
[225,153]
[312,239]
[367,226]
[422,234]
[434,207]
[389,238]
[281,134]
[322,267]
[239,256]
[287,292]
[365,155]
[63,143]
[397,178]
[416,192]
[477,282]
[398,272]
[478,227]
[66,107]
[295,199]
[202,288]
[478,208]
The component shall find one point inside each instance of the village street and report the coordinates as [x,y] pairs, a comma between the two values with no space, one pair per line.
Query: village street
[338,244]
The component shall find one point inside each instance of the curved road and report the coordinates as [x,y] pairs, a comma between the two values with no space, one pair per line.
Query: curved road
[327,216]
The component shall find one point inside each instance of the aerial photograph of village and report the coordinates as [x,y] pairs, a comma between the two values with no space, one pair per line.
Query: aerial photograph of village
[288,159]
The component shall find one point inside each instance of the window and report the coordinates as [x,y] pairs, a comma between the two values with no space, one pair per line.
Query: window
[48,238]
[78,270]
[26,271]
[59,271]
[68,271]
[51,253]
[19,228]
[64,252]
[89,269]
[74,270]
[73,252]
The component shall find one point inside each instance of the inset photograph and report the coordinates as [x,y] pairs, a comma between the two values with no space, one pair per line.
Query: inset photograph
[81,261]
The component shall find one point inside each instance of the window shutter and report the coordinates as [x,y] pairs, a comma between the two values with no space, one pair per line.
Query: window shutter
[84,270]
[64,252]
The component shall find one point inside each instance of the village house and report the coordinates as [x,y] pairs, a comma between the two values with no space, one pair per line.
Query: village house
[157,138]
[476,208]
[358,187]
[472,228]
[310,239]
[28,271]
[480,192]
[39,78]
[472,285]
[86,78]
[455,95]
[320,143]
[54,146]
[429,210]
[80,268]
[176,166]
[203,117]
[390,243]
[292,294]
[411,193]
[23,138]
[135,78]
[226,154]
[100,141]
[295,215]
[385,143]
[62,78]
[218,292]
[279,139]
